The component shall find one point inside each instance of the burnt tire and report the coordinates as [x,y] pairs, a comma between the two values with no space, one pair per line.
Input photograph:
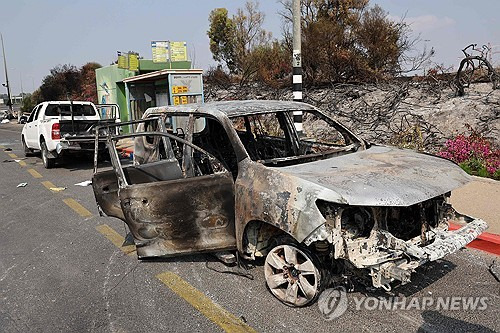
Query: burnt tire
[293,273]
[27,151]
[48,163]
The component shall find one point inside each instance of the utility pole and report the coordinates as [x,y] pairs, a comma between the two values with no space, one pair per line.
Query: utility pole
[7,85]
[297,63]
[22,99]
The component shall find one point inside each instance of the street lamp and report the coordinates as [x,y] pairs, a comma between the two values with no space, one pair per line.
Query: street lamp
[6,84]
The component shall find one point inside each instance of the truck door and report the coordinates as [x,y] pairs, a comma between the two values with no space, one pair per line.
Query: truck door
[183,202]
[32,128]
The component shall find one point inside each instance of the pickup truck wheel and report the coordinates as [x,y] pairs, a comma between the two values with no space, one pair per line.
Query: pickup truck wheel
[48,163]
[293,275]
[27,151]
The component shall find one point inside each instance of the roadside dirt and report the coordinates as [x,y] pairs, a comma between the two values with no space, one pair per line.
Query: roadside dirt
[480,198]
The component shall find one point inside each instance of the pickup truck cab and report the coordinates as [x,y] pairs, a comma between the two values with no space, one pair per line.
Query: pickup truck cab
[58,127]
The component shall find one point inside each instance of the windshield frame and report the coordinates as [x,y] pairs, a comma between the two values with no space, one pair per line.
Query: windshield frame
[352,142]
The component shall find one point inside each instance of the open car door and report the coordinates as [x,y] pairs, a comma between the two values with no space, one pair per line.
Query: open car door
[181,202]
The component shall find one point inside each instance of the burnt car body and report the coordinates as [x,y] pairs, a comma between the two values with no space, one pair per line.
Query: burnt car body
[237,175]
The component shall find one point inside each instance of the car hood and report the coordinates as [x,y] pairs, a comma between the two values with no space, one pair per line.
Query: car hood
[383,176]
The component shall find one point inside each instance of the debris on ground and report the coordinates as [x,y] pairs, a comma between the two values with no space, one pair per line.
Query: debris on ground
[57,189]
[22,185]
[13,160]
[495,270]
[5,121]
[7,149]
[84,183]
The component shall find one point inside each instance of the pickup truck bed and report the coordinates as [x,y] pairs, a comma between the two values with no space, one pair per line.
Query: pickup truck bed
[58,127]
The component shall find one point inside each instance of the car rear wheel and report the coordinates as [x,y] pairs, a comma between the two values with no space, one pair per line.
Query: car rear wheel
[48,163]
[293,275]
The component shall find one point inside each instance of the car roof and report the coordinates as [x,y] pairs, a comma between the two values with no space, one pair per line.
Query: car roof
[67,102]
[234,108]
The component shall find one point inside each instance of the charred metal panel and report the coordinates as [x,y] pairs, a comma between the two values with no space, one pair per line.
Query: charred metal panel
[105,185]
[383,176]
[181,216]
[282,200]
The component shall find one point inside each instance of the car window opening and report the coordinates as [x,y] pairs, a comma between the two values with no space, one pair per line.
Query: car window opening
[182,162]
[272,140]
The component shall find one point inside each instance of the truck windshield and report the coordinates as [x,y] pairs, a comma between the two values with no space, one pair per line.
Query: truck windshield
[65,110]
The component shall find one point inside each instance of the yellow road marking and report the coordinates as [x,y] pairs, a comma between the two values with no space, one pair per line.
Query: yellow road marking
[220,316]
[48,184]
[12,155]
[116,239]
[22,163]
[2,147]
[35,173]
[79,209]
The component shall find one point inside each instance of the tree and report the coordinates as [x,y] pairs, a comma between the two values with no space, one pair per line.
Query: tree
[347,40]
[233,40]
[88,89]
[221,34]
[28,103]
[273,64]
[62,82]
[68,82]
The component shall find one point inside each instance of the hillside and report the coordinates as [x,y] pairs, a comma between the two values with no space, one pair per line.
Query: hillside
[410,114]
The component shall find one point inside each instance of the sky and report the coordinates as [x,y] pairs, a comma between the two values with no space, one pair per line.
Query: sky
[39,35]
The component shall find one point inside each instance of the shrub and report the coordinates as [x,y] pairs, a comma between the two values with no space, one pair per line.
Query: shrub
[475,154]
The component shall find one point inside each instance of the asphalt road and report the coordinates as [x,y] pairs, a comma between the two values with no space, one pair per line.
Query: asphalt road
[61,272]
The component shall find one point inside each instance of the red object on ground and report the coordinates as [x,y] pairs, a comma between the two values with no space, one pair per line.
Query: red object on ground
[486,241]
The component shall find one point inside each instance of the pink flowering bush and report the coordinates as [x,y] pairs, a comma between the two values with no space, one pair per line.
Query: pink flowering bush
[474,154]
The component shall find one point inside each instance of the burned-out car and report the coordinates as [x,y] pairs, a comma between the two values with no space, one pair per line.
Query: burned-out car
[317,204]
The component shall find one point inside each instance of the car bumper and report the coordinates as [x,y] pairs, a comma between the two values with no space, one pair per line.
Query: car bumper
[80,145]
[445,242]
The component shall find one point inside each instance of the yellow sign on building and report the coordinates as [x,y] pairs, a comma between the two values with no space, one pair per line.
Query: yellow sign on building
[133,62]
[178,51]
[122,61]
[160,51]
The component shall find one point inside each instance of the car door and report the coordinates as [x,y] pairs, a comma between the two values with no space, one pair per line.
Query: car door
[32,128]
[181,203]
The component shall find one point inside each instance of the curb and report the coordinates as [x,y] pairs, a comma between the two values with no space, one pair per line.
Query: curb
[486,241]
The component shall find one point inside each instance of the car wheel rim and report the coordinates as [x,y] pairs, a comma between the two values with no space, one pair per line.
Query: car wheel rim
[291,275]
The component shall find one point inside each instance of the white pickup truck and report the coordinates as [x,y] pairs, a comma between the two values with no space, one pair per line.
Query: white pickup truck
[58,127]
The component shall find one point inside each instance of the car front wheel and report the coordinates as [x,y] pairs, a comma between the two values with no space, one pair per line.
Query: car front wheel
[292,275]
[27,151]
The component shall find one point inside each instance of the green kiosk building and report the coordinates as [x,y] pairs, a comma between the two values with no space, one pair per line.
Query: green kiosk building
[154,84]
